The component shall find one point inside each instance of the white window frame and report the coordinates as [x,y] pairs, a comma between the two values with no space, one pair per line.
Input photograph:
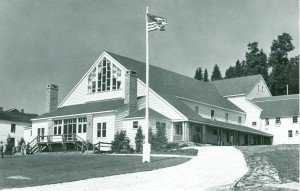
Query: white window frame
[103,128]
[295,119]
[135,124]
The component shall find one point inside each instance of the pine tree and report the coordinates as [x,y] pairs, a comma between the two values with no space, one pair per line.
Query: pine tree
[230,72]
[216,74]
[205,79]
[198,74]
[256,62]
[139,138]
[278,61]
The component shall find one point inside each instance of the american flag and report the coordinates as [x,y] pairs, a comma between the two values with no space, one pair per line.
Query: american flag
[155,22]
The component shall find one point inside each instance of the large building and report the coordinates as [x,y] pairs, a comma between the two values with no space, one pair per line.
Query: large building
[111,97]
[12,124]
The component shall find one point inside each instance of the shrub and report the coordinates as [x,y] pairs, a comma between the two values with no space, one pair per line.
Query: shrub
[172,146]
[139,138]
[121,143]
[9,147]
[159,140]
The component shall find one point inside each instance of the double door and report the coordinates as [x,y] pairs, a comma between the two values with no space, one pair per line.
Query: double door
[70,132]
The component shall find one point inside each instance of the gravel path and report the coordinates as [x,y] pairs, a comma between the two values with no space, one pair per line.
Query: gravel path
[215,168]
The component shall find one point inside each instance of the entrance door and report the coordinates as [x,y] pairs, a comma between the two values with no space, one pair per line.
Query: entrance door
[41,132]
[71,131]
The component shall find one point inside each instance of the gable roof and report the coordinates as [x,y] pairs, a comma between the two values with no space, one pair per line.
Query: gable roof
[16,116]
[278,106]
[90,107]
[166,83]
[141,113]
[237,86]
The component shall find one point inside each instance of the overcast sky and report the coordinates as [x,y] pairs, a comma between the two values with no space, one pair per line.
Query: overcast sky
[56,41]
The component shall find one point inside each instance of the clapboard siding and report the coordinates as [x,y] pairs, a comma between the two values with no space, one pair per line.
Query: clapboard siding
[205,111]
[260,90]
[39,124]
[109,118]
[120,114]
[5,130]
[159,104]
[131,132]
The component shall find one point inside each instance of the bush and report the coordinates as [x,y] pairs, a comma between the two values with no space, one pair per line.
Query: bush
[9,147]
[121,143]
[159,140]
[172,146]
[139,138]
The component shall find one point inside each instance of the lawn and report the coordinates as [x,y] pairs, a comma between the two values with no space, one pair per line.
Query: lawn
[284,158]
[49,169]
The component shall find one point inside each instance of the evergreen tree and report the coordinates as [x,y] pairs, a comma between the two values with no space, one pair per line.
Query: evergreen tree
[278,61]
[256,61]
[198,74]
[139,138]
[205,79]
[216,74]
[230,72]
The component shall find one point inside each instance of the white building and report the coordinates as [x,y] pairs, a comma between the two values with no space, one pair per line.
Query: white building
[12,123]
[280,117]
[111,97]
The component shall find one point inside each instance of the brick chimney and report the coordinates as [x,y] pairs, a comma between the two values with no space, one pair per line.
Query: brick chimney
[51,97]
[131,90]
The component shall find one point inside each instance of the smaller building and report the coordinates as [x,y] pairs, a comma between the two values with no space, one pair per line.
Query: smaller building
[280,117]
[12,123]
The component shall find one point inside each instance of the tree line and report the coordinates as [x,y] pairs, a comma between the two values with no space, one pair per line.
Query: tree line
[277,69]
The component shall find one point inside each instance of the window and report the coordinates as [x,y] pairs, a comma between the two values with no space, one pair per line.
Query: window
[160,125]
[13,128]
[290,133]
[226,117]
[262,88]
[178,129]
[57,124]
[101,129]
[197,109]
[212,113]
[295,119]
[297,133]
[254,123]
[267,121]
[82,122]
[84,128]
[79,128]
[258,87]
[239,119]
[135,124]
[277,121]
[105,77]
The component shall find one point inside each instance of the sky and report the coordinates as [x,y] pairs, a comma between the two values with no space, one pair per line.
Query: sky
[56,41]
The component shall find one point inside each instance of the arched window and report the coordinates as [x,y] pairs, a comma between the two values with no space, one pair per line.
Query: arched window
[105,77]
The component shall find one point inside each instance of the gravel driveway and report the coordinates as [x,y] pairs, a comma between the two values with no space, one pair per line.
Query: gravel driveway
[215,168]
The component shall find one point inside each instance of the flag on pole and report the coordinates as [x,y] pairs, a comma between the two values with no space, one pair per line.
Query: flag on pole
[155,23]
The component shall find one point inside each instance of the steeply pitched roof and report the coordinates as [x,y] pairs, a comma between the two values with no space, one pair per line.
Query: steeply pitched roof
[165,82]
[278,106]
[141,113]
[236,86]
[16,116]
[89,107]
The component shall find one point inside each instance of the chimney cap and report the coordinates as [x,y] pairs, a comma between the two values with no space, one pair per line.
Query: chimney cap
[52,86]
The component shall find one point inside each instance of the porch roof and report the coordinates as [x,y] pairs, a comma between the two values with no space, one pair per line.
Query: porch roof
[90,107]
[194,117]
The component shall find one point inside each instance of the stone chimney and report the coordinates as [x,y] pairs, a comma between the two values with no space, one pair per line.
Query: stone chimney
[1,108]
[51,97]
[131,90]
[22,110]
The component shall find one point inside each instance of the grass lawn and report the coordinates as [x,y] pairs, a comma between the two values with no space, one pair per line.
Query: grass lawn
[285,158]
[49,169]
[188,152]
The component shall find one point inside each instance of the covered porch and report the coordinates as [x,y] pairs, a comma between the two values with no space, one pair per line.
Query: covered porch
[219,134]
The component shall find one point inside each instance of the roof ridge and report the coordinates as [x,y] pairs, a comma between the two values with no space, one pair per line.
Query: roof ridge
[224,79]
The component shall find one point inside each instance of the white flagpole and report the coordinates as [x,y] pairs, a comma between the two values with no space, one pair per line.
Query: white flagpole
[147,146]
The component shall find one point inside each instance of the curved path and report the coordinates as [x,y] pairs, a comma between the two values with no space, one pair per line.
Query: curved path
[214,168]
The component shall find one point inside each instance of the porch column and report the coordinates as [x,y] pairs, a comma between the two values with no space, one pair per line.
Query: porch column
[203,133]
[171,132]
[261,140]
[89,128]
[221,137]
[185,131]
[50,127]
[249,139]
